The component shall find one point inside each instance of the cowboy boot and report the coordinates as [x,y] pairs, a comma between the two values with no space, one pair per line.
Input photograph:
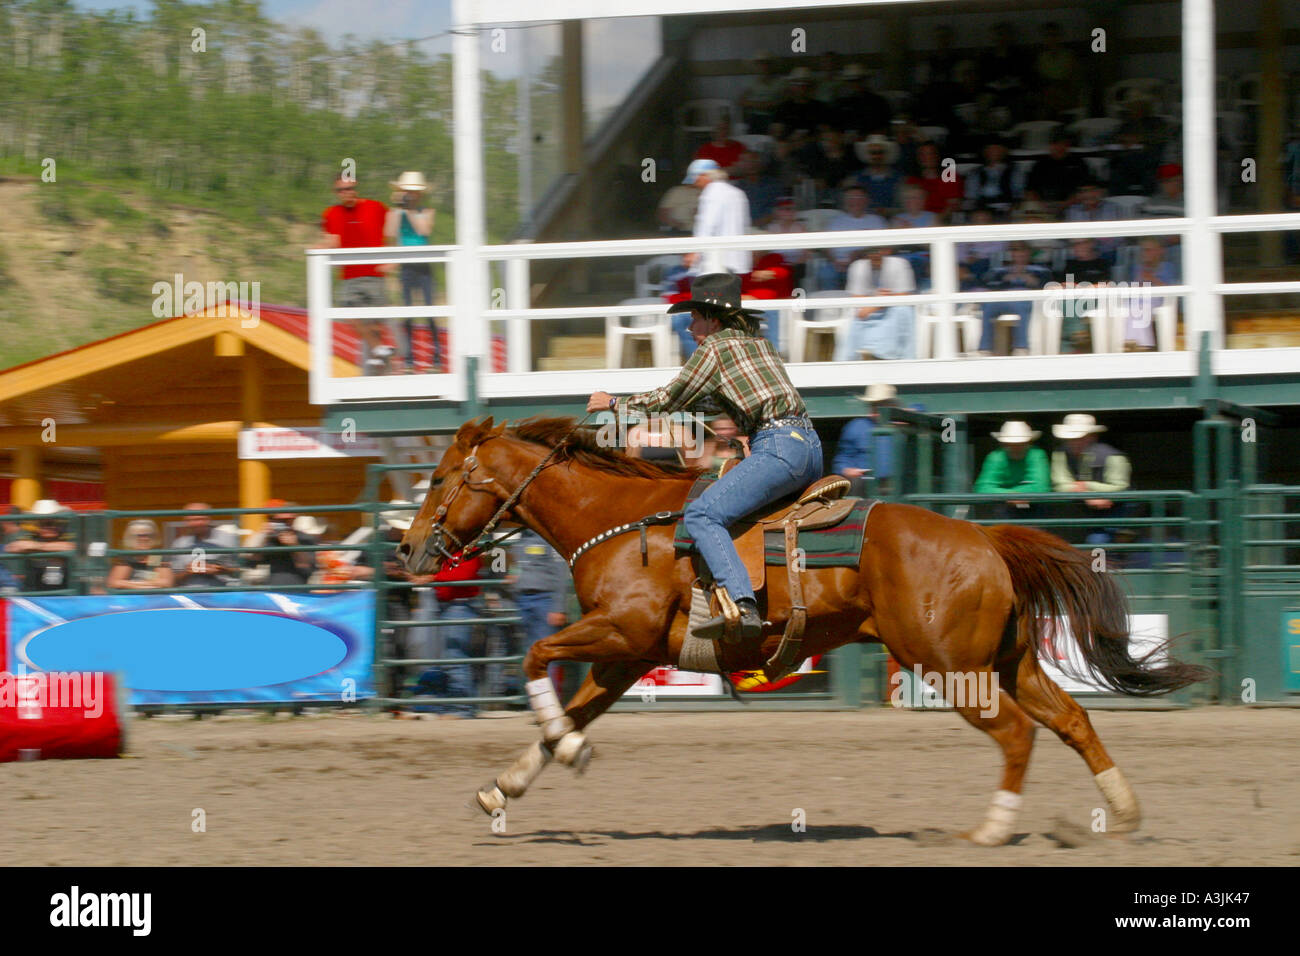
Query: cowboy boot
[749,628]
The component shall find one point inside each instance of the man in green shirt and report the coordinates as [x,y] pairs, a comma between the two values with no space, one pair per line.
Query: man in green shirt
[1015,466]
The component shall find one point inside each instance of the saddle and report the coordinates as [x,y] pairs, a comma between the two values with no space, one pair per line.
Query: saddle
[821,505]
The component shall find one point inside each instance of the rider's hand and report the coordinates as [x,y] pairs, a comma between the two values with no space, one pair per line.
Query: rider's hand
[599,402]
[853,472]
[556,619]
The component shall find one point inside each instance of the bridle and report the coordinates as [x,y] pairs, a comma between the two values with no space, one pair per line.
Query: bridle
[436,542]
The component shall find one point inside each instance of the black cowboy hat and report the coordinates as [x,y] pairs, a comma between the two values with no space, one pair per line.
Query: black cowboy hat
[716,294]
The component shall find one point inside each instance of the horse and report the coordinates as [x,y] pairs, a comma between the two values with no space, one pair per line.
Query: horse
[942,594]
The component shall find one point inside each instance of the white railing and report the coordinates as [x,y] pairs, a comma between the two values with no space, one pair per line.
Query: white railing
[943,299]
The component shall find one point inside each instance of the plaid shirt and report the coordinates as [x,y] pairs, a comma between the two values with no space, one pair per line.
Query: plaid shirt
[741,372]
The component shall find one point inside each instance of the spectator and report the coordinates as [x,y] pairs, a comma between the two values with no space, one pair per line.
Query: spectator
[409,225]
[1133,166]
[827,81]
[48,566]
[882,332]
[857,107]
[1151,269]
[676,212]
[140,572]
[976,259]
[1085,265]
[1015,467]
[908,138]
[879,178]
[761,188]
[200,568]
[542,581]
[1055,178]
[1093,207]
[943,187]
[828,162]
[759,102]
[1058,73]
[1003,69]
[457,604]
[799,110]
[723,443]
[938,79]
[1168,201]
[861,453]
[359,223]
[1020,274]
[723,211]
[722,149]
[785,221]
[991,183]
[832,272]
[914,214]
[1082,464]
[1149,128]
[286,567]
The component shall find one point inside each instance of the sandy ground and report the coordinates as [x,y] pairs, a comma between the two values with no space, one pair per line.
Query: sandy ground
[1218,786]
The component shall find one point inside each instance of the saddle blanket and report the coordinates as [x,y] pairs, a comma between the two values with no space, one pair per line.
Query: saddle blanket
[839,546]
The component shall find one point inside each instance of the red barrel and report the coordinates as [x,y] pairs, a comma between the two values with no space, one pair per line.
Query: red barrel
[59,715]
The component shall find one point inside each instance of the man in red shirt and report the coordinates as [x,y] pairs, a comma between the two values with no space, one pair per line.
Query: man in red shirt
[722,149]
[356,223]
[457,604]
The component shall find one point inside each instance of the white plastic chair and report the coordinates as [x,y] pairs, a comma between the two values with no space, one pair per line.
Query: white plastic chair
[652,324]
[1164,319]
[697,117]
[649,275]
[970,324]
[833,321]
[1033,136]
[1095,131]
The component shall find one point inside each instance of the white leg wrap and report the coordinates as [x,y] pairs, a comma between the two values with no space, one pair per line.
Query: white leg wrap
[573,750]
[1000,821]
[1126,816]
[546,705]
[515,781]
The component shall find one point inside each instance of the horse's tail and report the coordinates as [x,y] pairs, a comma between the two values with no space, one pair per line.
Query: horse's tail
[1052,578]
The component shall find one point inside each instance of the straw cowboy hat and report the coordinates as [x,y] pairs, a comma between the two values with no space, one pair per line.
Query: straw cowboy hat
[1076,426]
[878,392]
[399,519]
[306,524]
[1016,433]
[863,147]
[410,180]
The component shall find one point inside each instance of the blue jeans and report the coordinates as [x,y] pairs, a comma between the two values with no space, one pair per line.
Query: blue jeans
[456,641]
[781,461]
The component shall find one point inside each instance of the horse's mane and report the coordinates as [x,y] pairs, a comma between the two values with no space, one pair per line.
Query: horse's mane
[583,447]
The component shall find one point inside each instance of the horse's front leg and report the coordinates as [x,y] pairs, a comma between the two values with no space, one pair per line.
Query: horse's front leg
[592,639]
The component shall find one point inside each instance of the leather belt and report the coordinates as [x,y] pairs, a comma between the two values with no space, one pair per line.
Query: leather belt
[795,421]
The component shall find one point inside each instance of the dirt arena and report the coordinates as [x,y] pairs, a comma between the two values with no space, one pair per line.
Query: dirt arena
[1218,786]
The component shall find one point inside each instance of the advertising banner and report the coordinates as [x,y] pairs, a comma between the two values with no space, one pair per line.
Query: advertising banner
[221,648]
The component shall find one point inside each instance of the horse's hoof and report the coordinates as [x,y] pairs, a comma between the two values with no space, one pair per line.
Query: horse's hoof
[987,834]
[574,751]
[490,799]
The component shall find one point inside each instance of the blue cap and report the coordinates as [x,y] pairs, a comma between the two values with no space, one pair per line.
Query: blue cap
[697,167]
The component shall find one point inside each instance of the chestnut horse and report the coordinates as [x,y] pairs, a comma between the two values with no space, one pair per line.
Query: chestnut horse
[953,597]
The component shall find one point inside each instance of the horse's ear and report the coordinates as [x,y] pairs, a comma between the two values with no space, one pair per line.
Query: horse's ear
[500,429]
[468,434]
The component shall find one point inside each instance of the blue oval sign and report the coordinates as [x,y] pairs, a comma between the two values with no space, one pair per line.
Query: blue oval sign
[189,649]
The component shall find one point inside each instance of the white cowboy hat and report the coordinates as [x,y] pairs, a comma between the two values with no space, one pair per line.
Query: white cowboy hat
[306,524]
[1076,426]
[401,520]
[410,180]
[1016,433]
[878,392]
[863,147]
[48,506]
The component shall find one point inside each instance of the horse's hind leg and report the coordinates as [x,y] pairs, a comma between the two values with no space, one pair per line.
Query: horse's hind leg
[604,684]
[1003,720]
[1044,700]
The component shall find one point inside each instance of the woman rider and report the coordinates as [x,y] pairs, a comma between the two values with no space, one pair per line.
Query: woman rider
[742,371]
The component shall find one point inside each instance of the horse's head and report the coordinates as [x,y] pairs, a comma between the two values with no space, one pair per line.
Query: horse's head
[463,496]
